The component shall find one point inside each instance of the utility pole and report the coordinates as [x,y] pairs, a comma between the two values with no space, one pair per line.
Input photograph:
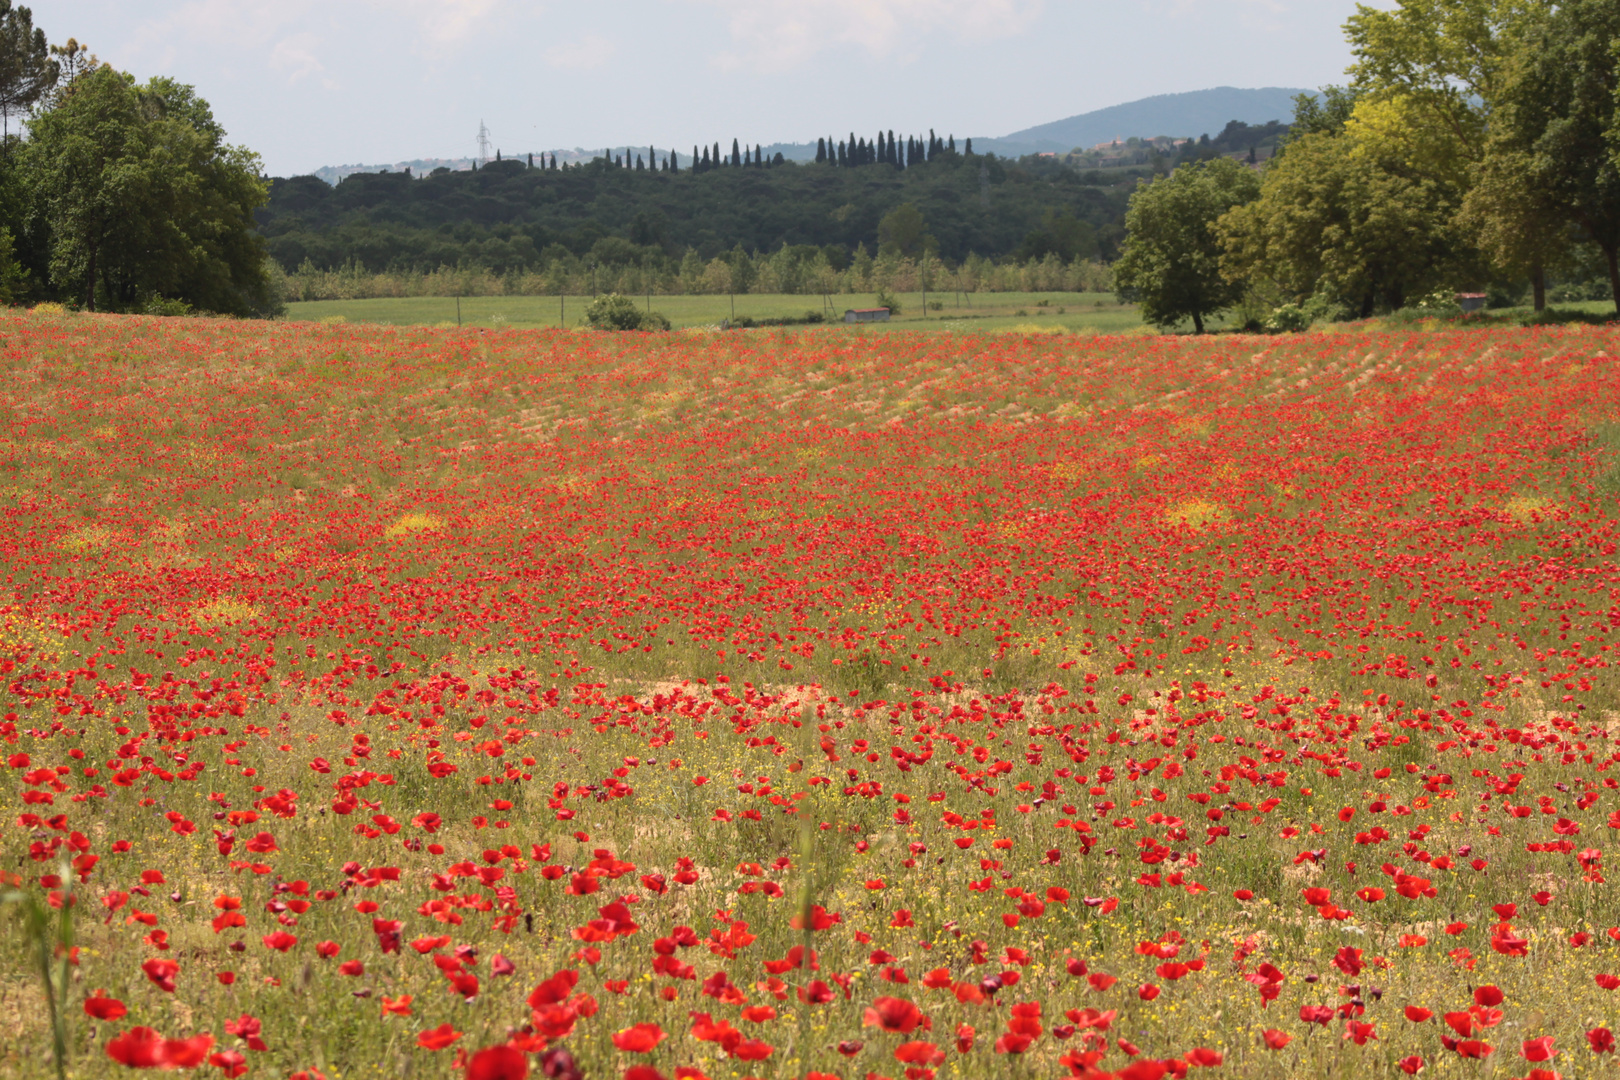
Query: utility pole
[925,282]
[458,312]
[483,144]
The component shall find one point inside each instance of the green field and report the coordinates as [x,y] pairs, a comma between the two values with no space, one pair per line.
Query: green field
[1097,312]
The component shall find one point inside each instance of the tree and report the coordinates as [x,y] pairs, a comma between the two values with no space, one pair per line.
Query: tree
[1334,219]
[821,151]
[1061,234]
[1429,74]
[736,155]
[142,199]
[1550,169]
[27,71]
[1172,258]
[903,231]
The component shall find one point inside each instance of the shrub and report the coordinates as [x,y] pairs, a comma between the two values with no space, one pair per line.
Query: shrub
[616,312]
[885,300]
[1289,319]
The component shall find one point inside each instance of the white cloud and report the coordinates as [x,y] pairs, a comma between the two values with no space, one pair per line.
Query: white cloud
[306,38]
[295,55]
[443,21]
[785,33]
[590,51]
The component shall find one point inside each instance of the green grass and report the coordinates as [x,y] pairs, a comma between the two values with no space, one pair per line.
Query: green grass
[1096,312]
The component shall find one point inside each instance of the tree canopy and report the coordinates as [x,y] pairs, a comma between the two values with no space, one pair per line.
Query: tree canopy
[1172,258]
[140,199]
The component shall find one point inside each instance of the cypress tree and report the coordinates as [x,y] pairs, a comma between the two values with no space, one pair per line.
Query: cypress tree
[705,166]
[843,155]
[969,148]
[950,144]
[695,166]
[882,148]
[641,166]
[674,162]
[718,160]
[821,151]
[736,158]
[759,155]
[531,161]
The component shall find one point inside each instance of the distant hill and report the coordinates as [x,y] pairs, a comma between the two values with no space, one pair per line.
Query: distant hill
[1198,112]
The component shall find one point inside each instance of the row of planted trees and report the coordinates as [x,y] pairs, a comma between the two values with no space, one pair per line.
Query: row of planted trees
[787,270]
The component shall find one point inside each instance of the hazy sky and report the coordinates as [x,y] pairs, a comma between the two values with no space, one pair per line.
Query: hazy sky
[308,83]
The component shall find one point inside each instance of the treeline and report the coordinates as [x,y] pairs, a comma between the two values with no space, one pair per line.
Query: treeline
[123,195]
[1473,152]
[881,150]
[803,270]
[658,214]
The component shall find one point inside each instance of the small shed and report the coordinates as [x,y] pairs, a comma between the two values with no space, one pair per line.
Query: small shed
[1470,301]
[871,314]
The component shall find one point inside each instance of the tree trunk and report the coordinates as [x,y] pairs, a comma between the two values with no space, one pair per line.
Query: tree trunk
[90,284]
[1367,306]
[1612,257]
[1538,287]
[1198,323]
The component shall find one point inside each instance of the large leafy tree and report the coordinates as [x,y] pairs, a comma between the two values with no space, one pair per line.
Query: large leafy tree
[1429,75]
[1171,263]
[141,198]
[1333,219]
[1550,171]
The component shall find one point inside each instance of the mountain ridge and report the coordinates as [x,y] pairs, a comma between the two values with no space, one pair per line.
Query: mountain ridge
[1183,115]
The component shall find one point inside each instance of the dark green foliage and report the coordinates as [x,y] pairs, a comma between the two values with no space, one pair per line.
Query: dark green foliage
[615,312]
[140,197]
[524,219]
[1172,262]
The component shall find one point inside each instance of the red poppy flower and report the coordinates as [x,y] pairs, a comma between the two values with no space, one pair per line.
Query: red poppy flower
[162,973]
[104,1008]
[894,1014]
[437,1038]
[925,1054]
[498,1063]
[1275,1039]
[640,1039]
[139,1048]
[1540,1049]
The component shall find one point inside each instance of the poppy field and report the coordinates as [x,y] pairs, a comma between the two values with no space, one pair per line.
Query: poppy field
[387,702]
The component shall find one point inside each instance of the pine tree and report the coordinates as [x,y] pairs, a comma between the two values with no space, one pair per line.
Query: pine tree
[821,151]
